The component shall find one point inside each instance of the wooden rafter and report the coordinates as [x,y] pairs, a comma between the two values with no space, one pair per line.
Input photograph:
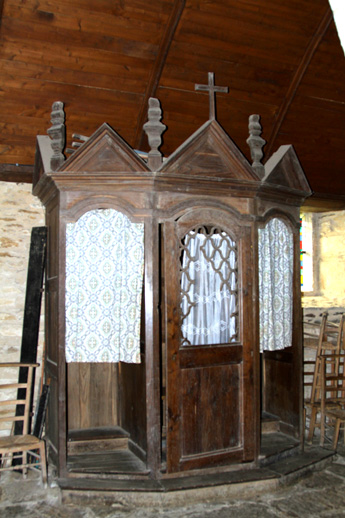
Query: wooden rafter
[158,66]
[299,74]
[1,9]
[16,173]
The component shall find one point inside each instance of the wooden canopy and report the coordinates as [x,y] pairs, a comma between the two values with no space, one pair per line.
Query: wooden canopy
[105,59]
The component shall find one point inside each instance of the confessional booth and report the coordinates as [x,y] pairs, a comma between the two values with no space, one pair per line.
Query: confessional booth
[173,317]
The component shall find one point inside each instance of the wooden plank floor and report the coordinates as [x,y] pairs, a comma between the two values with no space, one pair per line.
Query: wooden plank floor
[126,462]
[120,461]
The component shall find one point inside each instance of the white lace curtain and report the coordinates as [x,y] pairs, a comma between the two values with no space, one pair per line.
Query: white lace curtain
[104,279]
[209,289]
[275,285]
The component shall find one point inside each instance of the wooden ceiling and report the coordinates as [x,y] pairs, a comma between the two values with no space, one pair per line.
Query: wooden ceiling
[281,59]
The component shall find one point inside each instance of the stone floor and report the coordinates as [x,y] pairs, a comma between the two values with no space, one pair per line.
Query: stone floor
[319,494]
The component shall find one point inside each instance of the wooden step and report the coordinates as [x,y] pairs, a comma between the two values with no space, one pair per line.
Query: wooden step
[269,423]
[97,440]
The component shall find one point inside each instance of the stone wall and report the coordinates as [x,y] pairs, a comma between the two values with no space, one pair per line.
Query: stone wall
[20,211]
[329,277]
[329,265]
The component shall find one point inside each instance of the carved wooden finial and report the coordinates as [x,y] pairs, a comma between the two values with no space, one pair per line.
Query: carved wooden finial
[256,143]
[212,89]
[57,134]
[154,129]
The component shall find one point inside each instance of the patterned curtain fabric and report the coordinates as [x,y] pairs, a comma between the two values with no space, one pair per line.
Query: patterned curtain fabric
[275,285]
[209,289]
[104,279]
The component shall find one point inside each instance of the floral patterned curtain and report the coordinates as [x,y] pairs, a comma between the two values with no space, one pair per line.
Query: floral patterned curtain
[104,279]
[275,285]
[209,288]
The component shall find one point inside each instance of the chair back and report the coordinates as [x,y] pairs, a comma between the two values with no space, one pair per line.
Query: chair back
[332,378]
[331,342]
[15,397]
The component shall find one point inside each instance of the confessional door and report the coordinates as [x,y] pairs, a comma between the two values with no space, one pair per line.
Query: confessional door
[211,410]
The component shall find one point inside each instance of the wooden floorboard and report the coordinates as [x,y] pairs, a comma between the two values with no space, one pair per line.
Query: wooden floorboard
[120,461]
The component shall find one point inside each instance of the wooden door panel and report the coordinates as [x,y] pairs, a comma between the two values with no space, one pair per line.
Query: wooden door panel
[210,409]
[210,388]
[202,356]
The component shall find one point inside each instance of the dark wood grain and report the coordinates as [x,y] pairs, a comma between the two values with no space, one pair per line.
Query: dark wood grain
[16,173]
[182,408]
[283,61]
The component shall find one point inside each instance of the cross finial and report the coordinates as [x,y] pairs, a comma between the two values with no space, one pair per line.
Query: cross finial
[212,89]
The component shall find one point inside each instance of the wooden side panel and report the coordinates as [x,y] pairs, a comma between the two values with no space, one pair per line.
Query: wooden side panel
[280,390]
[133,401]
[52,429]
[92,395]
[52,318]
[51,329]
[211,410]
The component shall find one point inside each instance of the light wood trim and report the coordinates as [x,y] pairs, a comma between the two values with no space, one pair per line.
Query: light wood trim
[13,402]
[13,385]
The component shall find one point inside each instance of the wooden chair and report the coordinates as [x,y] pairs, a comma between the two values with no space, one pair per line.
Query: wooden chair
[332,395]
[19,452]
[331,340]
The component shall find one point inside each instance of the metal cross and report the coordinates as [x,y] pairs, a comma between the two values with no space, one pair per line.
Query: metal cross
[212,89]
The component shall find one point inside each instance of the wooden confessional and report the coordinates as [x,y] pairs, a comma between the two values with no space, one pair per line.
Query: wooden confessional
[186,406]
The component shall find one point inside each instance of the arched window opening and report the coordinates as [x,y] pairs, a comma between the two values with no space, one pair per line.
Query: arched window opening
[209,293]
[104,279]
[275,285]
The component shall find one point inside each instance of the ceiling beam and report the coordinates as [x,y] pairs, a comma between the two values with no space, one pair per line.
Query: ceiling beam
[299,74]
[16,173]
[157,69]
[323,202]
[1,9]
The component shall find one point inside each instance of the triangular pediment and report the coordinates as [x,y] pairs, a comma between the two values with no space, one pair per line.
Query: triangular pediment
[105,151]
[284,169]
[211,153]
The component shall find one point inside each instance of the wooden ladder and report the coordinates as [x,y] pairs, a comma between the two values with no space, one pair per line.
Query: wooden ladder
[331,341]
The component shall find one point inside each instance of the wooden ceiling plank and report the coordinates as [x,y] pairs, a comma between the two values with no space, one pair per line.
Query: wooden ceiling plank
[91,9]
[228,54]
[301,70]
[158,66]
[126,27]
[76,56]
[106,81]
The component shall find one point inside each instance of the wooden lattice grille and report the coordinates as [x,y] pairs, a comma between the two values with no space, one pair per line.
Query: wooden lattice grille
[209,287]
